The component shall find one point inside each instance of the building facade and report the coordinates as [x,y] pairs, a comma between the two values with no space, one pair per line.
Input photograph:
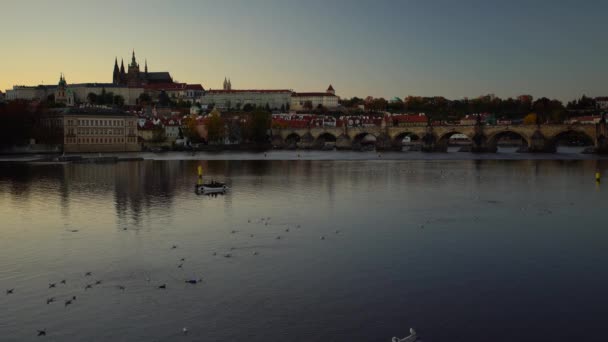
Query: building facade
[304,101]
[237,99]
[178,91]
[602,102]
[30,93]
[99,130]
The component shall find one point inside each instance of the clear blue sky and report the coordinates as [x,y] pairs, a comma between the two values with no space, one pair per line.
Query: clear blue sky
[557,49]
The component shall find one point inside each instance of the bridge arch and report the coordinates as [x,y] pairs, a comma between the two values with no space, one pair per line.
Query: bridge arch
[574,137]
[292,140]
[444,139]
[325,140]
[364,141]
[494,138]
[400,139]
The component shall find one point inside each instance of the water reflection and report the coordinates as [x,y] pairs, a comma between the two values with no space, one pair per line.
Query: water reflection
[441,245]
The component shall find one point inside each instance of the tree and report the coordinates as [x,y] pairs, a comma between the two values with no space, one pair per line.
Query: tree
[307,105]
[530,119]
[144,98]
[283,108]
[92,98]
[248,107]
[191,125]
[215,127]
[259,126]
[119,100]
[163,99]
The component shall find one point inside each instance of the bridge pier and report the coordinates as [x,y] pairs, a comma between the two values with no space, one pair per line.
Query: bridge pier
[343,142]
[306,141]
[540,144]
[429,140]
[384,142]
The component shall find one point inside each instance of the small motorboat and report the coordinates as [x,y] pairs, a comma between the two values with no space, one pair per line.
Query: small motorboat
[208,188]
[412,338]
[212,187]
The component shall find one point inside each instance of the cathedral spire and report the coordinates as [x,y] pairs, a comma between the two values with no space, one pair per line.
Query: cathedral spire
[133,60]
[146,68]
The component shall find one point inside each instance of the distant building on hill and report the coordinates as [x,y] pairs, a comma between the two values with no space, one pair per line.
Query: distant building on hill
[602,102]
[135,78]
[228,98]
[328,99]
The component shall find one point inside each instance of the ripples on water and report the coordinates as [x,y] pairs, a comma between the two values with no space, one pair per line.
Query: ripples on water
[475,250]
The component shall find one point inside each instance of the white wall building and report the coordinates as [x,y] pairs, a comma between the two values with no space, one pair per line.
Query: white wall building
[328,99]
[30,93]
[237,99]
[601,103]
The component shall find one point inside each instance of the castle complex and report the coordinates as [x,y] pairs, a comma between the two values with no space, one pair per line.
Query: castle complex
[134,78]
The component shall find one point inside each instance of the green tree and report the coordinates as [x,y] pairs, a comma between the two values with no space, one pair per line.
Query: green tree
[530,119]
[144,98]
[215,127]
[92,98]
[259,126]
[119,100]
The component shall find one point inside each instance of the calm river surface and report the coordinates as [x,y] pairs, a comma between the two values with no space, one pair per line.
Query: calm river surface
[462,250]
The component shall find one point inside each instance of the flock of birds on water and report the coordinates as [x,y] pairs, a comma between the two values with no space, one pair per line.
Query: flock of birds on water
[91,282]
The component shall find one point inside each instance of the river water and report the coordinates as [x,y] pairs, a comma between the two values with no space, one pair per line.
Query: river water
[320,250]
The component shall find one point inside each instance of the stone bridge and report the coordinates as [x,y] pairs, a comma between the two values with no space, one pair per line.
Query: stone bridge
[536,138]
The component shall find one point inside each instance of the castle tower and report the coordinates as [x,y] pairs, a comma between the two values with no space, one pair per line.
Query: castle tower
[229,84]
[331,90]
[145,75]
[133,77]
[116,74]
[225,86]
[123,74]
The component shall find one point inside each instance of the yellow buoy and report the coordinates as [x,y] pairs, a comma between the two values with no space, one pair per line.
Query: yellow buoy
[598,176]
[200,175]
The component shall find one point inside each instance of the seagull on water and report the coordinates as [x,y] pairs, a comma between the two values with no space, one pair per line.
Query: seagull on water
[51,285]
[10,291]
[50,300]
[163,286]
[41,332]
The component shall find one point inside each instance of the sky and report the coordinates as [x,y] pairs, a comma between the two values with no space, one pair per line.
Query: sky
[381,48]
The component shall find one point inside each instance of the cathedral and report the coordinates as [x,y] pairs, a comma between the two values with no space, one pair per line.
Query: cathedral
[134,78]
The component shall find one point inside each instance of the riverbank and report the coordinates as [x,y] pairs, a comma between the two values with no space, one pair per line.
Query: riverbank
[565,153]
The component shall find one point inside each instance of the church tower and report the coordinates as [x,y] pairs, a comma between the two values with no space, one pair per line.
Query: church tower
[133,79]
[116,74]
[123,74]
[227,84]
